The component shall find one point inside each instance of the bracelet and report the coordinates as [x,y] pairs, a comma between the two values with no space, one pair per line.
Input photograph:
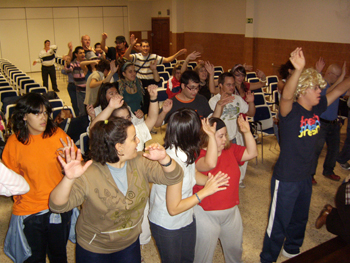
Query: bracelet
[155,100]
[167,164]
[198,198]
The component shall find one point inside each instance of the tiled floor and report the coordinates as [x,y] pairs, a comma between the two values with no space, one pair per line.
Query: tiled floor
[254,201]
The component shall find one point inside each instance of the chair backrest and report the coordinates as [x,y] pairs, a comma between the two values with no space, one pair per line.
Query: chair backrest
[193,64]
[217,73]
[18,79]
[259,98]
[169,70]
[271,79]
[38,90]
[22,83]
[4,83]
[160,68]
[273,86]
[5,94]
[250,75]
[253,80]
[167,65]
[56,103]
[162,95]
[164,75]
[219,68]
[27,86]
[9,111]
[160,83]
[263,114]
[2,88]
[84,142]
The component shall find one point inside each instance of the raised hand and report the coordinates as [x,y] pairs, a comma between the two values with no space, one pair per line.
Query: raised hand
[70,46]
[297,58]
[156,152]
[91,111]
[34,63]
[104,36]
[247,67]
[343,70]
[260,74]
[216,183]
[182,51]
[225,99]
[152,90]
[209,130]
[114,68]
[249,96]
[73,167]
[153,65]
[133,40]
[194,55]
[67,145]
[167,105]
[139,114]
[320,65]
[209,67]
[116,101]
[243,124]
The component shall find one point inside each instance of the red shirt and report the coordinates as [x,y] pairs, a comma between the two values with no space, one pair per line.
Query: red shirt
[228,162]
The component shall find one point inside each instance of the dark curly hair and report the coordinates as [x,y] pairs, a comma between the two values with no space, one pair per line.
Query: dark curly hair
[101,96]
[183,132]
[30,103]
[103,65]
[284,69]
[105,136]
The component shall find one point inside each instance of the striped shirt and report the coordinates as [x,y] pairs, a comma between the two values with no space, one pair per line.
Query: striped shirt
[78,75]
[47,58]
[11,183]
[142,64]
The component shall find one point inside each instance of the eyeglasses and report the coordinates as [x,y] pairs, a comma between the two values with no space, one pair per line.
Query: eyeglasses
[195,88]
[239,75]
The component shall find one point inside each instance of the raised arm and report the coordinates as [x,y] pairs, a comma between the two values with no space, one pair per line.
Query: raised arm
[298,61]
[209,161]
[153,67]
[12,183]
[70,50]
[177,54]
[251,151]
[103,42]
[219,107]
[193,56]
[250,100]
[153,107]
[210,68]
[339,90]
[175,203]
[133,41]
[114,103]
[167,105]
[320,65]
[262,80]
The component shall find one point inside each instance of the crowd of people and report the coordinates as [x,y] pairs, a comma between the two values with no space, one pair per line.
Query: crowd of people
[196,174]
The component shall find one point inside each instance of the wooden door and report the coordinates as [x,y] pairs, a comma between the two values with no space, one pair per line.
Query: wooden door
[160,36]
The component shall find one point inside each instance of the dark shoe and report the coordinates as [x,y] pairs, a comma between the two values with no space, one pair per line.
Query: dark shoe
[321,219]
[314,182]
[333,177]
[345,166]
[56,90]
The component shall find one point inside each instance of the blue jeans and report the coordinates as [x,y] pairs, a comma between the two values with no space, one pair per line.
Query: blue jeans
[344,155]
[329,133]
[72,91]
[175,246]
[45,237]
[131,254]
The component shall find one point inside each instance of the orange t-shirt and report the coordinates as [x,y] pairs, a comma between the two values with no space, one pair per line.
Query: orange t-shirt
[37,162]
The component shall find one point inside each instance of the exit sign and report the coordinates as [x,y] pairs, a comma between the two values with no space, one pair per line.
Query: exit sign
[249,20]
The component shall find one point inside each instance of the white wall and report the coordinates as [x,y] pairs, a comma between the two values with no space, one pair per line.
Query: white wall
[311,20]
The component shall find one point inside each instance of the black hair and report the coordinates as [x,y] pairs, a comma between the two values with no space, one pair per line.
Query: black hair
[189,75]
[46,41]
[98,43]
[224,75]
[76,51]
[183,133]
[240,69]
[30,103]
[123,107]
[104,137]
[121,68]
[101,96]
[283,70]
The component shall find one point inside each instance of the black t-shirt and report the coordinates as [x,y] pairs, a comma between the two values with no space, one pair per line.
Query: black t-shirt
[199,104]
[299,133]
[204,90]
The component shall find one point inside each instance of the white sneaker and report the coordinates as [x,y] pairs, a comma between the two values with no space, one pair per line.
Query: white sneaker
[287,255]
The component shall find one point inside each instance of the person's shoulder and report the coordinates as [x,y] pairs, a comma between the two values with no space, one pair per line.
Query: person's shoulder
[201,98]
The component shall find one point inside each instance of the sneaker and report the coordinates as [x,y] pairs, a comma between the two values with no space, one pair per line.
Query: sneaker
[314,182]
[241,185]
[333,177]
[345,166]
[288,255]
